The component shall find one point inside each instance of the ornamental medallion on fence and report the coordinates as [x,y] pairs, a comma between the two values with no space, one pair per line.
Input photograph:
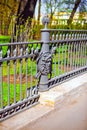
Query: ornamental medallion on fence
[44,64]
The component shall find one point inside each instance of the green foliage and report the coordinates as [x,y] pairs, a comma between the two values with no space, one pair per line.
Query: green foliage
[4,39]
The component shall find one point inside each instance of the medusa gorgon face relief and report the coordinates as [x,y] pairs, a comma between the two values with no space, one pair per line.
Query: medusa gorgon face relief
[44,63]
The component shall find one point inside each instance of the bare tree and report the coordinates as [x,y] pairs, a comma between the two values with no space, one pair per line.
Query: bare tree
[24,17]
[72,6]
[52,6]
[83,9]
[77,3]
[7,10]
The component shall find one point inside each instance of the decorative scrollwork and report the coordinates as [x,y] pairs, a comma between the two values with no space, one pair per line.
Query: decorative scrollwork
[13,109]
[44,63]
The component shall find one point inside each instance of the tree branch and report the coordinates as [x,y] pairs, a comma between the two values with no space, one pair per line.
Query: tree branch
[73,12]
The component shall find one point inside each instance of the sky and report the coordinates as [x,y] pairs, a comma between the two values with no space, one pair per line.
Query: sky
[43,11]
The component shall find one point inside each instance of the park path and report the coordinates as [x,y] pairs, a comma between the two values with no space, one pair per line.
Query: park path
[72,116]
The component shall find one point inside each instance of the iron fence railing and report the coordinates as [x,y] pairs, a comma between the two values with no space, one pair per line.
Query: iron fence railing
[69,59]
[18,85]
[64,21]
[27,67]
[63,52]
[62,34]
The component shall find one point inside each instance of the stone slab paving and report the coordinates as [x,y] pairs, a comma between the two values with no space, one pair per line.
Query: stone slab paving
[57,94]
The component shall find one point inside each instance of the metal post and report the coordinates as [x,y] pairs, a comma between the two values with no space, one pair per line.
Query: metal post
[44,59]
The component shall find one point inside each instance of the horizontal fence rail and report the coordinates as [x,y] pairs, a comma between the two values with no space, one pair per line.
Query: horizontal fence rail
[57,22]
[18,85]
[61,34]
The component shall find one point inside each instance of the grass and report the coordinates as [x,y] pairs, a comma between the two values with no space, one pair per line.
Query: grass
[11,91]
[5,92]
[4,39]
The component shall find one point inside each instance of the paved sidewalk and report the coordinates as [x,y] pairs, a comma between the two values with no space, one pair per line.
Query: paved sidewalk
[58,95]
[72,116]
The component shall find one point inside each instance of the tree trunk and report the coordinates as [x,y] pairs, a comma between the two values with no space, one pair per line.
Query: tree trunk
[24,15]
[39,10]
[1,32]
[73,12]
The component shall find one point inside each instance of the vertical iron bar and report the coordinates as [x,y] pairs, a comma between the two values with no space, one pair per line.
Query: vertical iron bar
[8,76]
[20,79]
[70,56]
[31,78]
[58,59]
[75,55]
[1,87]
[81,53]
[54,64]
[26,76]
[36,83]
[64,55]
[26,60]
[78,55]
[8,63]
[62,67]
[85,52]
[14,81]
[21,53]
[1,81]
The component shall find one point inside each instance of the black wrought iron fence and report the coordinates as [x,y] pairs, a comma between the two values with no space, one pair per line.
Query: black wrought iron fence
[65,52]
[27,67]
[69,59]
[18,85]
